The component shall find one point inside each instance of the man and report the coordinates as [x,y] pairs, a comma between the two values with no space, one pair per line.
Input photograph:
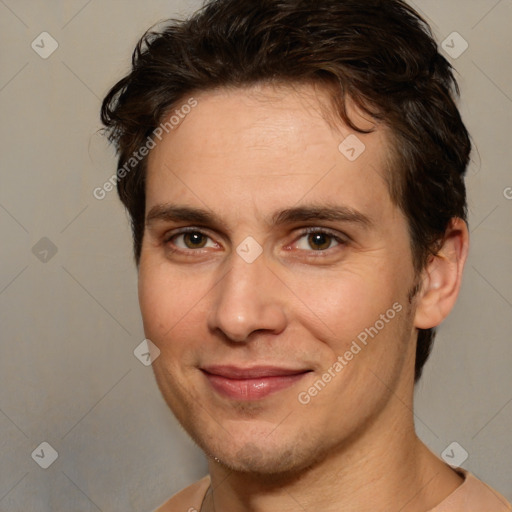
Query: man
[294,175]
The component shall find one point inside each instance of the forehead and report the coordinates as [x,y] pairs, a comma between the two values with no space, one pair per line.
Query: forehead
[267,146]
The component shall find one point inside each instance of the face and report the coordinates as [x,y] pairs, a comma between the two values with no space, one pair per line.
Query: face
[274,279]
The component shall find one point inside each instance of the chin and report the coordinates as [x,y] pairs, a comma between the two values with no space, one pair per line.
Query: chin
[264,459]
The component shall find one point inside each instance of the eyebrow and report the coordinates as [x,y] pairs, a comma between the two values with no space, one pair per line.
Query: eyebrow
[337,213]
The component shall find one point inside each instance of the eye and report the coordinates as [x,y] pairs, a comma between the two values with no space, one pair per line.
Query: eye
[319,240]
[189,239]
[316,240]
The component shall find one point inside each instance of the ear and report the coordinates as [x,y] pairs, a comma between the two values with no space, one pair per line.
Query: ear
[442,277]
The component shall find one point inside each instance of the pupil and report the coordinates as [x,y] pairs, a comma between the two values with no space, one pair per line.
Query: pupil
[320,239]
[195,239]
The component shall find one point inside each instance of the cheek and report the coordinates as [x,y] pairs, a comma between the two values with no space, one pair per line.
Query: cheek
[342,305]
[153,299]
[172,304]
[159,300]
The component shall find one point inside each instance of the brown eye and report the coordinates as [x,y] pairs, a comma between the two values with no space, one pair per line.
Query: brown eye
[320,241]
[317,240]
[189,241]
[194,240]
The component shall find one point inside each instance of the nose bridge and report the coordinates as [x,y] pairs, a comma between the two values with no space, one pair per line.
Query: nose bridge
[247,299]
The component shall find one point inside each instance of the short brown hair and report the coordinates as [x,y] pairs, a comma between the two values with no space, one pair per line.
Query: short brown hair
[379,53]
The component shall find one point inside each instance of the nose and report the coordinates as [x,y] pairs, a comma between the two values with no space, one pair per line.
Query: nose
[249,298]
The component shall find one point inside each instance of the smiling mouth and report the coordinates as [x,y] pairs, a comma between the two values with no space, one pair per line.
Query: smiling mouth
[253,383]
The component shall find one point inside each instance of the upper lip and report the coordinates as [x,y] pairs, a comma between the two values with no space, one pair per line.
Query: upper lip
[254,372]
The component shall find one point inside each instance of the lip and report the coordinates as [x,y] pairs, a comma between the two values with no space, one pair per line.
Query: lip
[252,383]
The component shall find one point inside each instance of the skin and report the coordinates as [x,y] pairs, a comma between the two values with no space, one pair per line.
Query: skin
[244,155]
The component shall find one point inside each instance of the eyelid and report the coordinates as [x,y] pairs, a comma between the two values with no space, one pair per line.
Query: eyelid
[179,231]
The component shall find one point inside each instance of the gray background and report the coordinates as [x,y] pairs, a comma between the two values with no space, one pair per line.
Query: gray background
[70,320]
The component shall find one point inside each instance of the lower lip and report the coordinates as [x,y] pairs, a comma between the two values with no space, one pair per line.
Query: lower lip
[252,389]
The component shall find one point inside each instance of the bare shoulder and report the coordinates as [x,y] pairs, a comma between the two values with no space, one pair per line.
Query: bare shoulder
[188,499]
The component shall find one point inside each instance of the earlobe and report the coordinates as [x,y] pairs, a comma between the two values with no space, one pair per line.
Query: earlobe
[442,277]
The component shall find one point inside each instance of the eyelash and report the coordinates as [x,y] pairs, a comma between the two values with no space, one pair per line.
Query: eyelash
[308,231]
